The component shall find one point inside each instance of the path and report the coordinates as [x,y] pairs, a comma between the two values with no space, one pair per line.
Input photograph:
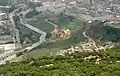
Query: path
[55,25]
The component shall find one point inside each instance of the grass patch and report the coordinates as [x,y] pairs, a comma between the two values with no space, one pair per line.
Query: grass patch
[59,44]
[41,52]
[41,24]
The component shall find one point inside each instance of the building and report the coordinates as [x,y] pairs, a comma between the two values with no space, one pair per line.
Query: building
[8,47]
[36,1]
[88,2]
[6,39]
[3,16]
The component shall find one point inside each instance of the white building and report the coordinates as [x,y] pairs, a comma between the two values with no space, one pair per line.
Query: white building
[8,47]
[87,2]
[3,16]
[36,1]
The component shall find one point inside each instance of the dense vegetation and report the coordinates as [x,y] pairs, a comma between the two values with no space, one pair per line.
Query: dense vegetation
[97,30]
[69,65]
[111,34]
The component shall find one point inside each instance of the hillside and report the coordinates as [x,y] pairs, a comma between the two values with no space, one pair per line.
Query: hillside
[77,27]
[69,65]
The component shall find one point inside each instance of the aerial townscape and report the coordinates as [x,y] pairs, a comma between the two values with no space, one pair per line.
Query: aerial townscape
[59,37]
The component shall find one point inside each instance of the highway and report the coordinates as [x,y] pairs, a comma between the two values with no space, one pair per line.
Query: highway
[12,54]
[24,22]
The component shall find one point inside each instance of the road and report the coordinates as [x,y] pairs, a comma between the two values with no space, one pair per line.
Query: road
[24,22]
[84,33]
[54,25]
[7,56]
[11,15]
[12,54]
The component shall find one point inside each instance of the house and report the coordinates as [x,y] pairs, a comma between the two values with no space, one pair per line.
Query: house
[90,45]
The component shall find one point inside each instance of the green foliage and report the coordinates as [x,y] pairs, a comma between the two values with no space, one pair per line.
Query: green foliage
[41,24]
[111,34]
[69,65]
[34,5]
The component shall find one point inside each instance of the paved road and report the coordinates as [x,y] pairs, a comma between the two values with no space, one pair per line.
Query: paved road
[12,54]
[7,56]
[24,22]
[14,27]
[54,25]
[84,33]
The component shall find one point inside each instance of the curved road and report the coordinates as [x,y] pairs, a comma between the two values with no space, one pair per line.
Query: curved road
[84,33]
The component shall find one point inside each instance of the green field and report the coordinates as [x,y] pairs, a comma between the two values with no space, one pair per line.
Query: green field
[41,24]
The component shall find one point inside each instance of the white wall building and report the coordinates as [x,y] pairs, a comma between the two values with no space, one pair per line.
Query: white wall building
[36,1]
[7,47]
[3,16]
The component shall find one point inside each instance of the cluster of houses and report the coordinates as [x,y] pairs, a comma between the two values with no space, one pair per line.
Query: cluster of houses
[89,46]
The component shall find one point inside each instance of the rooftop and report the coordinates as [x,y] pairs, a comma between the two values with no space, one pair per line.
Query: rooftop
[2,14]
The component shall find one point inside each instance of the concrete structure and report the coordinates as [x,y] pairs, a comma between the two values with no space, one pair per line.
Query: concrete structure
[24,22]
[3,16]
[88,2]
[7,47]
[6,56]
[36,1]
[6,39]
[55,8]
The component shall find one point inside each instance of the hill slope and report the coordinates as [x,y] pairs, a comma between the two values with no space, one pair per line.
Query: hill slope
[69,65]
